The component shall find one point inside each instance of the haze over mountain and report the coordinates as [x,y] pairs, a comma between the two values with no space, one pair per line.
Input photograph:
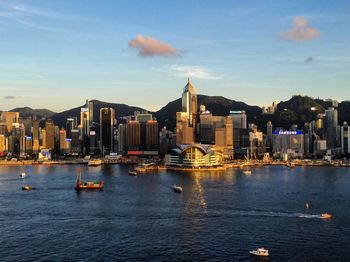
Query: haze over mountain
[296,110]
[39,113]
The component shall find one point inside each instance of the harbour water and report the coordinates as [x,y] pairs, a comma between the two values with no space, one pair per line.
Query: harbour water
[219,215]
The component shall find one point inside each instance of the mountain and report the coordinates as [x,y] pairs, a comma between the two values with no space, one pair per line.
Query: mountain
[27,111]
[120,109]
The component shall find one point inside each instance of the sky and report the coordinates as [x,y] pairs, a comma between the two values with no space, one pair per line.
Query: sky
[55,54]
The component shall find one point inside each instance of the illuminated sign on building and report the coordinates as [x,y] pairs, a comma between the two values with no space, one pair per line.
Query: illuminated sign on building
[68,140]
[92,133]
[28,138]
[287,133]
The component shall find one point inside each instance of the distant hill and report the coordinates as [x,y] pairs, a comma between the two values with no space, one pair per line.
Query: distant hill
[120,109]
[38,113]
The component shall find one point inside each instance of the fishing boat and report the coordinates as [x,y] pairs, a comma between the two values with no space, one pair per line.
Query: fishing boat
[326,216]
[177,188]
[22,175]
[95,162]
[79,185]
[247,172]
[261,252]
[133,173]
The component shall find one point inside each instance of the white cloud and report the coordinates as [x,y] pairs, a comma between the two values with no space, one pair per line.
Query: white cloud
[193,71]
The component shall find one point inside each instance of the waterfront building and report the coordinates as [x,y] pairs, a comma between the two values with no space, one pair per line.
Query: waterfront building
[345,138]
[35,135]
[167,141]
[107,122]
[290,143]
[63,142]
[71,123]
[269,136]
[2,144]
[9,118]
[189,103]
[43,138]
[330,127]
[239,122]
[50,134]
[193,156]
[184,132]
[133,130]
[76,142]
[122,139]
[152,138]
[256,142]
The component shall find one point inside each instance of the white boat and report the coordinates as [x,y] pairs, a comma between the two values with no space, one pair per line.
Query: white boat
[261,252]
[177,188]
[133,173]
[22,175]
[247,172]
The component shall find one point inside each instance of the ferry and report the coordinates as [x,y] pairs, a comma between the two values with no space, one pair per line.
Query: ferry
[79,185]
[326,216]
[95,162]
[177,188]
[261,252]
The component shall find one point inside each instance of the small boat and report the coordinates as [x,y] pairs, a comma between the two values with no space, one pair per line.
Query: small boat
[326,216]
[306,205]
[22,175]
[26,188]
[87,185]
[132,173]
[261,252]
[177,188]
[247,172]
[95,162]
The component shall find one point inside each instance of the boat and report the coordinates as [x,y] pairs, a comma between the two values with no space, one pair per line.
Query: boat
[26,188]
[95,162]
[133,173]
[306,205]
[247,172]
[79,185]
[177,188]
[22,175]
[261,252]
[326,216]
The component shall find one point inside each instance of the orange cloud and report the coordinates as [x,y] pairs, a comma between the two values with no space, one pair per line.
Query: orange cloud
[149,46]
[301,31]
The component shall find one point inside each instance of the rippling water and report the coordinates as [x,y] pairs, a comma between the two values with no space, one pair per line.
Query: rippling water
[219,216]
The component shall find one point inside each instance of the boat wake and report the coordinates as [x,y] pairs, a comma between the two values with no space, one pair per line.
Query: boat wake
[272,214]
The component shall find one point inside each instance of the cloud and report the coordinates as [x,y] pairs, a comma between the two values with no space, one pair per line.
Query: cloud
[301,31]
[10,97]
[309,60]
[193,71]
[149,46]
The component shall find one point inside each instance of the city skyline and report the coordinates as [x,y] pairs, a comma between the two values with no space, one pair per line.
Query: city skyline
[69,51]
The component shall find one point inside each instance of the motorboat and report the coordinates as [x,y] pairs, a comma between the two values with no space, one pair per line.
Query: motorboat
[27,188]
[133,173]
[326,216]
[261,252]
[22,175]
[79,185]
[177,188]
[247,172]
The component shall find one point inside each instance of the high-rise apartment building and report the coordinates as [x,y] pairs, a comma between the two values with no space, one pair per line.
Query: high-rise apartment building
[107,122]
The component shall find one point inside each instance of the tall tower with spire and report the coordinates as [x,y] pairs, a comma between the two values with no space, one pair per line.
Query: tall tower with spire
[189,103]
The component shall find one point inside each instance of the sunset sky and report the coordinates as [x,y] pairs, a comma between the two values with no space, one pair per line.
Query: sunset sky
[55,54]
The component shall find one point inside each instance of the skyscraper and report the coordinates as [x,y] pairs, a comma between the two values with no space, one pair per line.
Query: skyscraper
[189,103]
[50,134]
[70,125]
[330,127]
[107,121]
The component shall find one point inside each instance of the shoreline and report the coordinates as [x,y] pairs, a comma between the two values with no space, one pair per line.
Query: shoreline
[236,164]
